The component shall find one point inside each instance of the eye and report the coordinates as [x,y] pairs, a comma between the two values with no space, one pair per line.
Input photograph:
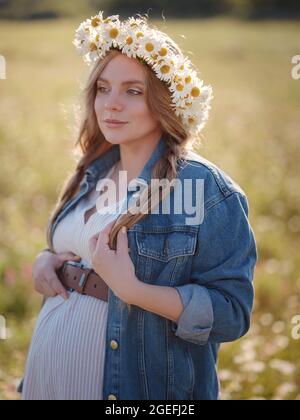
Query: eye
[99,88]
[136,92]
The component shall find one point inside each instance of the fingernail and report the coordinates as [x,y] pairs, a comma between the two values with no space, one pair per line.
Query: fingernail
[124,229]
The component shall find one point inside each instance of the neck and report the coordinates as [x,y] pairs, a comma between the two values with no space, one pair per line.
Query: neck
[135,155]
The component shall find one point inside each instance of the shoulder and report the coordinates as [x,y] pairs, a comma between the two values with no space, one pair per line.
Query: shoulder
[218,184]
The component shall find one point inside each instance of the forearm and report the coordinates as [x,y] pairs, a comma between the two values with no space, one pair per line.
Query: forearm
[161,300]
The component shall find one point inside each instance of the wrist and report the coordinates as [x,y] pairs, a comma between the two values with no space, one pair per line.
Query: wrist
[133,292]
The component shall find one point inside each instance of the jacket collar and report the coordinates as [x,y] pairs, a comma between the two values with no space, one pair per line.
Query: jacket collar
[109,158]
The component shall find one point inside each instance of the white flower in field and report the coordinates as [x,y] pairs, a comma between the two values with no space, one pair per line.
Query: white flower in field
[225,375]
[285,389]
[245,357]
[282,366]
[278,327]
[266,320]
[253,366]
[281,342]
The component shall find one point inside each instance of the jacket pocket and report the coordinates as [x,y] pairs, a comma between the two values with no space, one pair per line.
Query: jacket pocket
[166,243]
[164,251]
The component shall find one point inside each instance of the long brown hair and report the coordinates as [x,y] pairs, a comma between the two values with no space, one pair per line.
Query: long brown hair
[93,144]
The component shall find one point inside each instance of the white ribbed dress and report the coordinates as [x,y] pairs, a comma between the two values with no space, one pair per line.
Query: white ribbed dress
[67,352]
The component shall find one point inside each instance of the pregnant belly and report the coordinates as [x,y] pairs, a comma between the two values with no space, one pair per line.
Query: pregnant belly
[68,349]
[64,325]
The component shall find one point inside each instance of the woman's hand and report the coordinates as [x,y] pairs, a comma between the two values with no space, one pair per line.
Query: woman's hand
[44,273]
[115,267]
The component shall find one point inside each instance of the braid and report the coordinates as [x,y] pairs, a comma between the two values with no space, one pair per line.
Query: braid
[165,168]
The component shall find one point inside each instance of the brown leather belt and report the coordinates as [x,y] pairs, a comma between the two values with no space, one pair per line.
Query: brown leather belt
[83,280]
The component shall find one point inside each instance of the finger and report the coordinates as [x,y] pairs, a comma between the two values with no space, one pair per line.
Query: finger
[95,236]
[56,285]
[93,243]
[103,237]
[69,256]
[43,288]
[122,241]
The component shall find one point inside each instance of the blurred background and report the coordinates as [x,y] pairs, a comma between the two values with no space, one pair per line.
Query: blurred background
[248,51]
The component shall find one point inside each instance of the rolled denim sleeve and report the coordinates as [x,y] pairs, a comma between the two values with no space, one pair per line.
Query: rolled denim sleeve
[218,300]
[196,321]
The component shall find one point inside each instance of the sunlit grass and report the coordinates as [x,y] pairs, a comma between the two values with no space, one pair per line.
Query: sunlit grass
[253,134]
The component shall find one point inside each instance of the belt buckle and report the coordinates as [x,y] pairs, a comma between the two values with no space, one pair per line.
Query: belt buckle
[76,264]
[83,279]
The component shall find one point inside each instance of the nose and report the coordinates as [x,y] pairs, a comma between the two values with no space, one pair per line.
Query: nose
[113,103]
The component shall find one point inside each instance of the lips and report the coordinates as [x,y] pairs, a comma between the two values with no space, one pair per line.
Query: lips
[115,122]
[115,125]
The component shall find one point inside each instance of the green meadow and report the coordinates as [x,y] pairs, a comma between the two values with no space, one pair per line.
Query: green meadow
[253,134]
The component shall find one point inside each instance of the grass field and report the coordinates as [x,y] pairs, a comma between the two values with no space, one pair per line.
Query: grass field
[253,134]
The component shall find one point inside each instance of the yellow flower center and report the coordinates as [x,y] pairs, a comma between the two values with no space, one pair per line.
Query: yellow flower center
[97,38]
[107,20]
[129,40]
[191,120]
[149,47]
[195,92]
[113,33]
[180,88]
[139,35]
[177,78]
[95,22]
[93,46]
[155,57]
[163,52]
[165,69]
[188,79]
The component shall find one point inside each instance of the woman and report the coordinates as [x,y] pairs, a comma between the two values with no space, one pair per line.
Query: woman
[143,314]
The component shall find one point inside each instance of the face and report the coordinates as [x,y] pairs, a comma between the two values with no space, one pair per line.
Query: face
[119,100]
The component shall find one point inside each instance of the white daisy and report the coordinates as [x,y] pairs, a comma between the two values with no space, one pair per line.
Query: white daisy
[165,69]
[129,47]
[112,33]
[206,95]
[149,45]
[180,87]
[135,23]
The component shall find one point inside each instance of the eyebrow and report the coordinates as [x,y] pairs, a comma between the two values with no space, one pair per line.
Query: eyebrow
[127,82]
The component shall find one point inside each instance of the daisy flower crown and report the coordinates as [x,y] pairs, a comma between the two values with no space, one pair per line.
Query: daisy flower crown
[135,38]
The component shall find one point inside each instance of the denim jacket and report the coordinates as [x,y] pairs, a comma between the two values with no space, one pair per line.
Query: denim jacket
[210,263]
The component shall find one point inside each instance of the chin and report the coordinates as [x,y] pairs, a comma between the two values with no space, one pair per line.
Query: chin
[113,139]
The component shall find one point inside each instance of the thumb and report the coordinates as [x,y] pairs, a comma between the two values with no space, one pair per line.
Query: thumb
[58,287]
[69,256]
[93,243]
[122,241]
